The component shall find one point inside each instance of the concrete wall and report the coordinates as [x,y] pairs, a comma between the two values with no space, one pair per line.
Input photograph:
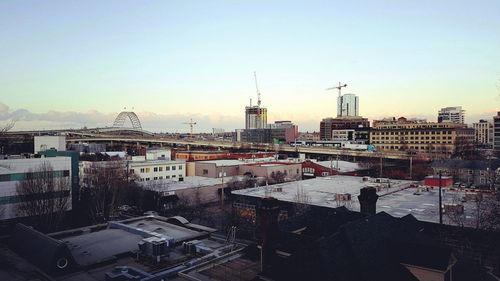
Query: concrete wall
[292,170]
[212,171]
[203,195]
[190,169]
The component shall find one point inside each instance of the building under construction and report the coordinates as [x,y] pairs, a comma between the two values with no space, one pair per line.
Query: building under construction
[255,117]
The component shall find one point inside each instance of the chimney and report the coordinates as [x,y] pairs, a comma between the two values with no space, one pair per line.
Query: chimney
[267,229]
[368,200]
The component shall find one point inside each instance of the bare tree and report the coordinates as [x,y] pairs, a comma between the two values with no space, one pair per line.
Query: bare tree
[301,201]
[102,189]
[4,129]
[4,142]
[45,196]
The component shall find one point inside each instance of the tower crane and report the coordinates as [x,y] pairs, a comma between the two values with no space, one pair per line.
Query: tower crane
[257,88]
[339,87]
[191,126]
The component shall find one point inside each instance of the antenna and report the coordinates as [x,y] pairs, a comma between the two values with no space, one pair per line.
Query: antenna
[257,88]
[339,87]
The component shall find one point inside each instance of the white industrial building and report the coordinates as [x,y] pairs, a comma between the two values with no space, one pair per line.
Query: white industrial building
[159,154]
[43,143]
[139,170]
[157,170]
[347,105]
[13,171]
[454,114]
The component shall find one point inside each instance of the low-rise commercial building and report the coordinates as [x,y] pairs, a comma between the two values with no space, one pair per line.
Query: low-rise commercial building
[273,170]
[279,132]
[420,136]
[354,129]
[142,248]
[157,170]
[395,197]
[478,173]
[266,168]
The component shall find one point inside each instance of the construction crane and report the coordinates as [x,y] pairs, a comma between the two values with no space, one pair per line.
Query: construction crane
[191,126]
[257,88]
[339,87]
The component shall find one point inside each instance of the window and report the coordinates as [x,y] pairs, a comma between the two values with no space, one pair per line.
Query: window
[147,179]
[180,167]
[161,177]
[142,170]
[66,173]
[167,168]
[155,178]
[173,168]
[132,171]
[155,169]
[160,169]
[148,170]
[167,177]
[205,171]
[173,176]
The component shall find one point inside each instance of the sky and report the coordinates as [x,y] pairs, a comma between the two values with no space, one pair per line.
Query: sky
[69,64]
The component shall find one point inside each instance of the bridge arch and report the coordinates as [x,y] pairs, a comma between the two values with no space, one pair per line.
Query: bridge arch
[120,120]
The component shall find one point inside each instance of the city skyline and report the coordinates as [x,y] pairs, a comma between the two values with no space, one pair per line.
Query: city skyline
[82,62]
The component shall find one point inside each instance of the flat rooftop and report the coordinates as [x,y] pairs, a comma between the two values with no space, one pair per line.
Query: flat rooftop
[188,182]
[321,191]
[341,166]
[235,162]
[156,162]
[223,162]
[397,200]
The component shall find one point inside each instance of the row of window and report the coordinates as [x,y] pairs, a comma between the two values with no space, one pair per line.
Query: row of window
[412,138]
[32,175]
[160,178]
[412,142]
[397,147]
[157,169]
[413,133]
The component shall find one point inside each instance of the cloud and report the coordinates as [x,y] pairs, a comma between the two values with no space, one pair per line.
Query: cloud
[27,120]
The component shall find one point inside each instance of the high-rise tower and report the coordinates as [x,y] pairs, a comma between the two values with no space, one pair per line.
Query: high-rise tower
[347,105]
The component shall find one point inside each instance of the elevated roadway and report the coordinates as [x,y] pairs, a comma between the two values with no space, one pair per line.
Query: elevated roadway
[236,145]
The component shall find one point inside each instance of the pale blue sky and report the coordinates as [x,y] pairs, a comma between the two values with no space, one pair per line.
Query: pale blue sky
[196,58]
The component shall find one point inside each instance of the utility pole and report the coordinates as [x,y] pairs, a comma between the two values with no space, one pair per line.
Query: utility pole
[222,193]
[381,166]
[411,167]
[440,200]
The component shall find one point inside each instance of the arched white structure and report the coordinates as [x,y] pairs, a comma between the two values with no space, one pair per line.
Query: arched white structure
[120,120]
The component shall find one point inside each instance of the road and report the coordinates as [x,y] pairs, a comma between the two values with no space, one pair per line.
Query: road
[239,145]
